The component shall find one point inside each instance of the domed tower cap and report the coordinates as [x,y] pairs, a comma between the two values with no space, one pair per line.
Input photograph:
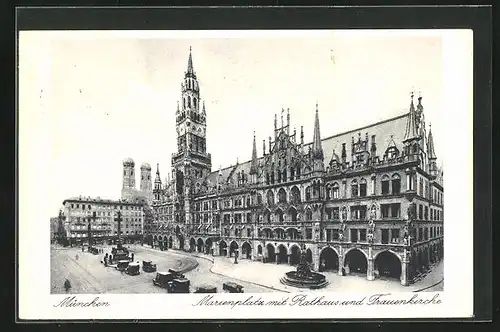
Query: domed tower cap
[128,161]
[146,166]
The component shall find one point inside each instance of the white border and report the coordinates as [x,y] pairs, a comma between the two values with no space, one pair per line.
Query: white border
[35,301]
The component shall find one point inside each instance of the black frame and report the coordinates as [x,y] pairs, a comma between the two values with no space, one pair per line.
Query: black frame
[477,18]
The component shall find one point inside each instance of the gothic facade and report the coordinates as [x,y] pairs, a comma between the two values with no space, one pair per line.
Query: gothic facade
[366,201]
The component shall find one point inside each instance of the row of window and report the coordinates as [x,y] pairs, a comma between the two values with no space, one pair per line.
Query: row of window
[426,233]
[107,207]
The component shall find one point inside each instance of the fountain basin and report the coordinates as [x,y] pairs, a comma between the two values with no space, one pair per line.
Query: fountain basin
[312,280]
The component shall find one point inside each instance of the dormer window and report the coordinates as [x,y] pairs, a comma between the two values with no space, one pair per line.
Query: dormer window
[392,152]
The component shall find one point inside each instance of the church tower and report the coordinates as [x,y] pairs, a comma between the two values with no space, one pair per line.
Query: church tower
[191,162]
[128,182]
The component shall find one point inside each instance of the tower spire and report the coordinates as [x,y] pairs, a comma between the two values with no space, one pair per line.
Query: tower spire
[431,153]
[253,167]
[317,149]
[411,124]
[190,63]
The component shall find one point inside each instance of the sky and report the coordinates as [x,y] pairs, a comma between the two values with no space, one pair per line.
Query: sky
[88,100]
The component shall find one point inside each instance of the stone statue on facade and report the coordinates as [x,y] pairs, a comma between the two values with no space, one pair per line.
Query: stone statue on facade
[411,211]
[373,212]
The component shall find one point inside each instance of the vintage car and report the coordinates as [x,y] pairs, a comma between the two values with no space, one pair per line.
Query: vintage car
[206,289]
[232,287]
[177,273]
[148,266]
[122,265]
[178,285]
[133,268]
[162,279]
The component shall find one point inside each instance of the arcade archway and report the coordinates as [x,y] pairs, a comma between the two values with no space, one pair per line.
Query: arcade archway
[181,241]
[246,251]
[170,242]
[282,254]
[356,261]
[199,245]
[232,248]
[208,246]
[223,248]
[294,255]
[192,244]
[328,260]
[271,255]
[388,265]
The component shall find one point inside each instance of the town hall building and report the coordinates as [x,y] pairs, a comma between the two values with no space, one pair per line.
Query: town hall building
[367,201]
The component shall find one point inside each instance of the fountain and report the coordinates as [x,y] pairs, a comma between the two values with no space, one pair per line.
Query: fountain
[303,277]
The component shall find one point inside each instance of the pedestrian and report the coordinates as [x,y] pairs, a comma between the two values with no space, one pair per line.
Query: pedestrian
[83,249]
[67,285]
[76,257]
[132,256]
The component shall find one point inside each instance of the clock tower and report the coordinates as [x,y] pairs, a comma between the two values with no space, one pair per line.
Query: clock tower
[191,162]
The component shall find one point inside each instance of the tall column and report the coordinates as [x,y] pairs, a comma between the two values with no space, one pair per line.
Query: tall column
[405,269]
[369,272]
[341,264]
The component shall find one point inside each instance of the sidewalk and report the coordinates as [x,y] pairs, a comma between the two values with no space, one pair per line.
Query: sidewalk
[270,275]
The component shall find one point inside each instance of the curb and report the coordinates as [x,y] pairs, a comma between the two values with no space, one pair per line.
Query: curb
[224,275]
[182,270]
[422,289]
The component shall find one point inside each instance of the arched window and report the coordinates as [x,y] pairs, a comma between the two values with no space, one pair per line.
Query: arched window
[385,185]
[308,193]
[354,188]
[184,102]
[328,191]
[295,195]
[282,196]
[292,173]
[421,187]
[335,190]
[309,215]
[270,198]
[284,175]
[362,187]
[396,184]
[189,101]
[194,102]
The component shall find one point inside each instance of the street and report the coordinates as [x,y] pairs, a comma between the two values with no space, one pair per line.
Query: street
[89,276]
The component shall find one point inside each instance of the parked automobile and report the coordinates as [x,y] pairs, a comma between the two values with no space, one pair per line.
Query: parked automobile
[148,266]
[177,273]
[232,287]
[162,279]
[133,268]
[178,285]
[122,265]
[206,289]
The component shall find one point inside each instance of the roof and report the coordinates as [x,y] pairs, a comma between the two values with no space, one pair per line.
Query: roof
[146,166]
[128,161]
[384,131]
[88,199]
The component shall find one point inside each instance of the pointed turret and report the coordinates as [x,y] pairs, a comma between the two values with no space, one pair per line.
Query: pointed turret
[411,132]
[254,165]
[431,153]
[317,150]
[203,111]
[157,187]
[190,69]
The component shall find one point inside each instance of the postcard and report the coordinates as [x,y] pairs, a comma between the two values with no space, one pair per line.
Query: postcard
[245,174]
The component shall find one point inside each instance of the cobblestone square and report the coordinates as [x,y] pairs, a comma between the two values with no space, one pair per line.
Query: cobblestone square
[89,276]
